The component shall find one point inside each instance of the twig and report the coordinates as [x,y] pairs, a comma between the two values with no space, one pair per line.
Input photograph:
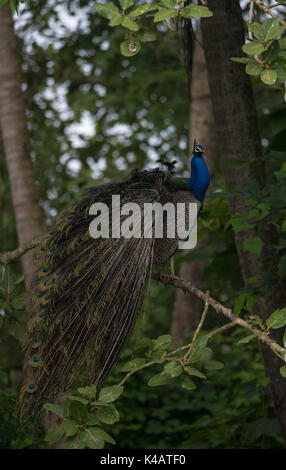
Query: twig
[277,5]
[227,312]
[251,7]
[198,329]
[203,317]
[176,282]
[221,329]
[9,256]
[262,7]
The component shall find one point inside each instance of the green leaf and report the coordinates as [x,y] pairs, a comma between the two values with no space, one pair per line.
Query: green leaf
[281,75]
[168,3]
[54,409]
[202,354]
[88,392]
[247,339]
[255,319]
[253,68]
[164,14]
[213,365]
[272,52]
[107,437]
[277,319]
[242,60]
[133,364]
[77,399]
[257,30]
[126,4]
[130,48]
[107,11]
[283,371]
[250,299]
[158,379]
[272,29]
[196,11]
[91,419]
[201,342]
[109,394]
[158,356]
[173,369]
[253,47]
[21,279]
[71,442]
[162,342]
[284,339]
[239,303]
[239,223]
[78,411]
[195,372]
[282,43]
[142,9]
[254,245]
[55,434]
[70,427]
[116,19]
[129,24]
[188,384]
[144,346]
[93,438]
[268,76]
[108,414]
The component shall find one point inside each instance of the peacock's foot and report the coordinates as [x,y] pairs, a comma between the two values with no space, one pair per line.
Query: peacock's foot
[164,277]
[172,267]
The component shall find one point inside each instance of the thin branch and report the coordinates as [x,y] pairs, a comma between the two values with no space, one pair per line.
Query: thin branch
[177,282]
[251,8]
[278,4]
[203,317]
[221,329]
[9,256]
[198,329]
[227,312]
[262,7]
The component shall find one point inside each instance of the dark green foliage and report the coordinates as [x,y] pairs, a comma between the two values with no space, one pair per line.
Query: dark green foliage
[232,408]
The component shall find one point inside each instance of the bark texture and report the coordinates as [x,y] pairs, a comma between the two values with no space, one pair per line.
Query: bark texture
[187,308]
[239,140]
[16,140]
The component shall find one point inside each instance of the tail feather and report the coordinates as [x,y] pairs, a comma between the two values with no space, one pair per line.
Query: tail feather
[87,295]
[88,291]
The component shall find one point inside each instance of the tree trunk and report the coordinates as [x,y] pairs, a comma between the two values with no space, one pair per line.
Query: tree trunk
[239,139]
[13,124]
[187,308]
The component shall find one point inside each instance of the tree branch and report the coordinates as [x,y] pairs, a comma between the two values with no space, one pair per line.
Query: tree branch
[227,312]
[179,283]
[9,256]
[262,7]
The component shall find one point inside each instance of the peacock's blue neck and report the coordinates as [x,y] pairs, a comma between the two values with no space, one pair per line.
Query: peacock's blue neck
[200,177]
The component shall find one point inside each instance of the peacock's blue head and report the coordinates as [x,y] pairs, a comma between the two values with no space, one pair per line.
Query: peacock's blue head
[198,150]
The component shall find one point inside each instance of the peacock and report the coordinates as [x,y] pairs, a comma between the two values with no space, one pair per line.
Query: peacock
[87,292]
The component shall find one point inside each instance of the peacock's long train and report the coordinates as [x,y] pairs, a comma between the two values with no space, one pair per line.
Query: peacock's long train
[88,291]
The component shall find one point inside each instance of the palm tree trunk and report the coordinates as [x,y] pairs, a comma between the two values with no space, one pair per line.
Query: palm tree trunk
[187,308]
[16,142]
